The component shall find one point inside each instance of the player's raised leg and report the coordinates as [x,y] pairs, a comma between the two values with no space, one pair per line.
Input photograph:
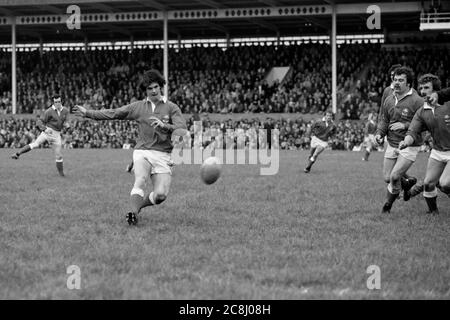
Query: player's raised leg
[141,173]
[40,140]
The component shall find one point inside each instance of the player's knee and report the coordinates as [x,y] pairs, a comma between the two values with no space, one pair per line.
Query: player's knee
[33,145]
[445,185]
[160,197]
[387,178]
[395,177]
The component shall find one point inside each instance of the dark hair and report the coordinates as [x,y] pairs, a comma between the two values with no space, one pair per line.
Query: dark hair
[153,76]
[56,96]
[393,67]
[435,81]
[406,71]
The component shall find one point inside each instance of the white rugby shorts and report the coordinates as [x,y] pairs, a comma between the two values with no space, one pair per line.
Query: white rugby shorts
[51,136]
[160,162]
[441,156]
[409,153]
[316,142]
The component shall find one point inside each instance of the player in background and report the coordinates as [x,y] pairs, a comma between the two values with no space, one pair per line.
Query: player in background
[435,119]
[51,125]
[369,134]
[398,111]
[320,132]
[129,166]
[157,119]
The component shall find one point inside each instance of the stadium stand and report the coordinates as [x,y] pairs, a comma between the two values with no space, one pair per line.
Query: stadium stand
[216,81]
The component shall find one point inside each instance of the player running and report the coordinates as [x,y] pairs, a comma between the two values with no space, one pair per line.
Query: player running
[157,119]
[397,113]
[320,132]
[435,119]
[369,134]
[51,125]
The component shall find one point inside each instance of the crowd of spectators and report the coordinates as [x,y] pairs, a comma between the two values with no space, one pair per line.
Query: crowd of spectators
[208,79]
[294,134]
[367,92]
[200,80]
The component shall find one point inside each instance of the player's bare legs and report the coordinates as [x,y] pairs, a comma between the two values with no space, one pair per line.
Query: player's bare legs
[21,151]
[394,187]
[434,171]
[59,158]
[40,140]
[141,173]
[312,159]
[388,165]
[161,186]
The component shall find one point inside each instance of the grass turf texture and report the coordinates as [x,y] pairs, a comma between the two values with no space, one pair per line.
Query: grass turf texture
[288,236]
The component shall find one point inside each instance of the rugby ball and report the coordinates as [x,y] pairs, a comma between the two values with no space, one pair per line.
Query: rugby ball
[211,169]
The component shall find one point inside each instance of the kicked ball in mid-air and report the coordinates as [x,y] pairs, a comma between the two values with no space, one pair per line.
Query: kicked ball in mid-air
[211,169]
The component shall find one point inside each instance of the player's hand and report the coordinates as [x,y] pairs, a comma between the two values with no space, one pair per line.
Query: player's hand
[79,111]
[397,126]
[157,123]
[379,139]
[433,98]
[402,145]
[48,130]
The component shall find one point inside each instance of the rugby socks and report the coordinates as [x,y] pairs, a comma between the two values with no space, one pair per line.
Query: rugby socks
[430,198]
[23,150]
[312,152]
[136,199]
[310,163]
[60,167]
[390,195]
[432,205]
[404,182]
[415,190]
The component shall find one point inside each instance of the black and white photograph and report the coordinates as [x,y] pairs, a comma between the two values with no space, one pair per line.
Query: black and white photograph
[234,151]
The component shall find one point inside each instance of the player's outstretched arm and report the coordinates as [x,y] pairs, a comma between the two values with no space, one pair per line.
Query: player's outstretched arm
[122,113]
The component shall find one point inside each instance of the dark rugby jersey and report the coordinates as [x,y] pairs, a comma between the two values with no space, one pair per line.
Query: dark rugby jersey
[322,131]
[149,138]
[437,121]
[403,111]
[54,120]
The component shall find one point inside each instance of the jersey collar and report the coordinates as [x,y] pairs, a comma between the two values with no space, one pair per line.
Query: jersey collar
[163,99]
[56,109]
